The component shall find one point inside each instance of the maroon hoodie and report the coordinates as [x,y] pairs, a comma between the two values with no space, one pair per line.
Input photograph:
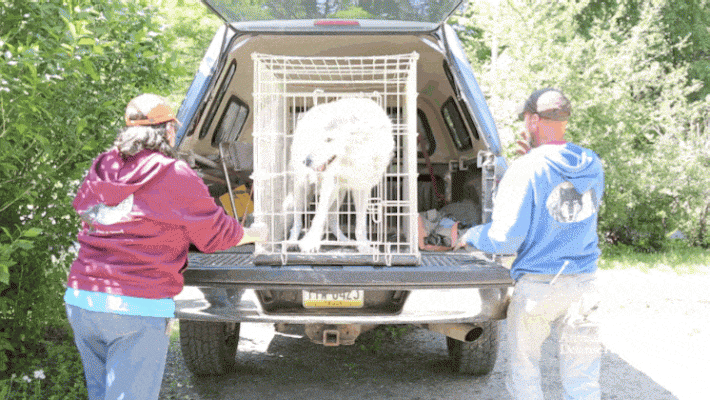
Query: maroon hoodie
[140,216]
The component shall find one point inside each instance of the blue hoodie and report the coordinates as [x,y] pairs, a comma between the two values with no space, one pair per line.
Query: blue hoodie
[546,211]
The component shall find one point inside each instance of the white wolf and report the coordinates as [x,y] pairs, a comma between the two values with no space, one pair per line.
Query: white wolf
[344,145]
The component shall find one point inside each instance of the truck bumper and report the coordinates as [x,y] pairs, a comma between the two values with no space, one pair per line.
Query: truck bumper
[427,306]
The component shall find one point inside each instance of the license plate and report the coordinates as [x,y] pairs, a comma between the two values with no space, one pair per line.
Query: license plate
[333,298]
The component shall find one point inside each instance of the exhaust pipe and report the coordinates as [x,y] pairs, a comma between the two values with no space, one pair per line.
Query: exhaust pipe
[460,332]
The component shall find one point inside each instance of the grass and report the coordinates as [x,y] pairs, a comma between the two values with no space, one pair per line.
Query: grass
[177,382]
[679,258]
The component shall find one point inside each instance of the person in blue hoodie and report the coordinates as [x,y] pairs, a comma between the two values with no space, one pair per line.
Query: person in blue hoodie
[545,211]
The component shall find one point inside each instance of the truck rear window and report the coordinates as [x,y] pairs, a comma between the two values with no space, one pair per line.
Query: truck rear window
[455,125]
[424,131]
[232,122]
[218,101]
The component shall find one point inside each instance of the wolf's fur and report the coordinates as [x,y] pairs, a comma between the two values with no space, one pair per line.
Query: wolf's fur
[344,145]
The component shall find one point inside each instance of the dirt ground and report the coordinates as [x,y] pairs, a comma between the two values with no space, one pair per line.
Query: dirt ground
[655,329]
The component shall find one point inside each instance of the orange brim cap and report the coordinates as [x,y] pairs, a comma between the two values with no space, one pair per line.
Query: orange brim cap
[158,115]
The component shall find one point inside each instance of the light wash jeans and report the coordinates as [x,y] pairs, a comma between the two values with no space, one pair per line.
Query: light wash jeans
[569,304]
[123,355]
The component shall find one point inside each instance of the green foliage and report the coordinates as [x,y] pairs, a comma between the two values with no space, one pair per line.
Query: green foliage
[193,26]
[58,377]
[638,108]
[686,22]
[256,10]
[67,70]
[353,13]
[473,38]
[599,13]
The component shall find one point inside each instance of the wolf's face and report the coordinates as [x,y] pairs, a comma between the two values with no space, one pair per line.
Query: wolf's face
[570,204]
[325,146]
[351,139]
[566,205]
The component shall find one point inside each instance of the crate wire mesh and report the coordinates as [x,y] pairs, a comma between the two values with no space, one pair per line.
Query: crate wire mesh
[284,88]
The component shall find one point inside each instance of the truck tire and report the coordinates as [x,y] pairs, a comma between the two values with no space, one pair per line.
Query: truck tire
[209,348]
[477,357]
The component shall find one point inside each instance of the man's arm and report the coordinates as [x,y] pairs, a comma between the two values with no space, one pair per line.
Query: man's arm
[511,217]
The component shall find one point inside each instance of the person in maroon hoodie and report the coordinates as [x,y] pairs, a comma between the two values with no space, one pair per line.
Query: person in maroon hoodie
[141,209]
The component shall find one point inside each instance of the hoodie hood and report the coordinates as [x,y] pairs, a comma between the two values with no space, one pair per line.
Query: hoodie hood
[113,179]
[575,164]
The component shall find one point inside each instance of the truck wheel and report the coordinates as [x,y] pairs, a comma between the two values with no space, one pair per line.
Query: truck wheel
[209,348]
[477,357]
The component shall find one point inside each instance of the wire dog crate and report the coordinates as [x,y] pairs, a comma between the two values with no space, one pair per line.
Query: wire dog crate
[284,88]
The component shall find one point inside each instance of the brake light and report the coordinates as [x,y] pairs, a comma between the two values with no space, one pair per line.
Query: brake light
[336,22]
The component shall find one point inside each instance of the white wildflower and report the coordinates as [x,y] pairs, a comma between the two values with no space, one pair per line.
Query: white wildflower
[26,379]
[39,374]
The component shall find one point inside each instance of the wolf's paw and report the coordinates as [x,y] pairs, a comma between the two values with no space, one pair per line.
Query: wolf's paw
[367,249]
[309,244]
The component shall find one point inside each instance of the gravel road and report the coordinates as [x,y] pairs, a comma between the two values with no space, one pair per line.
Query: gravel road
[655,328]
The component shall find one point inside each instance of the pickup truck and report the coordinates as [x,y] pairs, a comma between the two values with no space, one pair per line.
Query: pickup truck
[269,63]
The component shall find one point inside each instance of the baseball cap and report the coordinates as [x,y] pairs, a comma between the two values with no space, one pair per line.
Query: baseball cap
[548,103]
[148,109]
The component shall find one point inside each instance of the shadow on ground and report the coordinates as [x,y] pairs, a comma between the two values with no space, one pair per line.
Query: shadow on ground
[379,366]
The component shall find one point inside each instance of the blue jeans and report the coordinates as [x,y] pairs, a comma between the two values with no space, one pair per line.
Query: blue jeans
[123,355]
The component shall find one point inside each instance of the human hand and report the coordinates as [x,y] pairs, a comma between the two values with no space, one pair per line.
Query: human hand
[463,240]
[257,232]
[524,144]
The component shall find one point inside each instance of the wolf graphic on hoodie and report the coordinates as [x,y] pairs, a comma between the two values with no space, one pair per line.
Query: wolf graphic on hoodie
[546,211]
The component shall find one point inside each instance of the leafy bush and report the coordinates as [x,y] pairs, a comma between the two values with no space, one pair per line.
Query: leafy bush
[60,376]
[638,108]
[68,68]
